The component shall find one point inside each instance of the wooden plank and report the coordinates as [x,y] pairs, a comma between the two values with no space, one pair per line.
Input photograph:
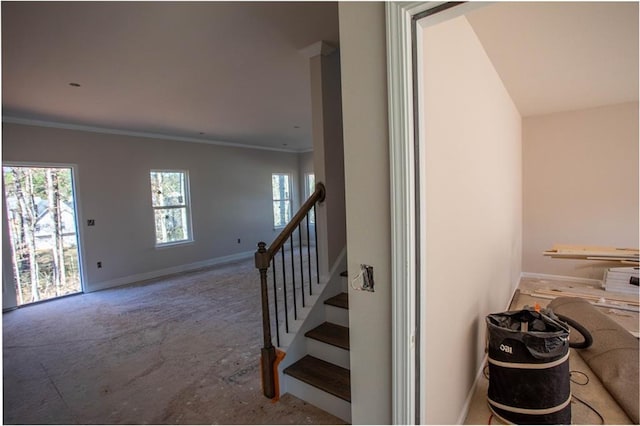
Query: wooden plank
[574,248]
[323,375]
[583,295]
[590,252]
[331,334]
[595,303]
[588,255]
[623,260]
[341,301]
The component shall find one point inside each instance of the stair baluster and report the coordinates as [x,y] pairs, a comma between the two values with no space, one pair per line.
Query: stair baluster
[315,232]
[284,292]
[301,266]
[293,279]
[275,301]
[309,254]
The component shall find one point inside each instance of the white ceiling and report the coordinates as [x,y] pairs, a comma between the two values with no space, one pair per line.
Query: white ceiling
[230,70]
[561,56]
[234,72]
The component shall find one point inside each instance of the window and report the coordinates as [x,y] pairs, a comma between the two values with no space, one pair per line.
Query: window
[309,188]
[281,186]
[170,200]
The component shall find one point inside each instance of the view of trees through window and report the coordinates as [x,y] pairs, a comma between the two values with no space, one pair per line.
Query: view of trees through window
[281,186]
[42,230]
[170,205]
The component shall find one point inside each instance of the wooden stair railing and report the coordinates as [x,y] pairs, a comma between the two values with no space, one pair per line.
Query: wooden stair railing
[265,258]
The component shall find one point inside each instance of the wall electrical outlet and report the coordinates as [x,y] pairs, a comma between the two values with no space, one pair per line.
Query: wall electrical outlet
[364,278]
[91,222]
[367,277]
[238,240]
[99,264]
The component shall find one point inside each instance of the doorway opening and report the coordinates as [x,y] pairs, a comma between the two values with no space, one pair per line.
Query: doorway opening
[41,218]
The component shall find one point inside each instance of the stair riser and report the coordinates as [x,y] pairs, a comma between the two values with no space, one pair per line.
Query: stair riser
[329,353]
[319,398]
[337,315]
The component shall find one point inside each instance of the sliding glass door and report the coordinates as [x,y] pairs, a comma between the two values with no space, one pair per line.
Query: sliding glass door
[41,218]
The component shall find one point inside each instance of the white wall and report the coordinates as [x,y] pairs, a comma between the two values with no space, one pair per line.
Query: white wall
[334,157]
[230,196]
[328,158]
[366,158]
[478,177]
[580,185]
[305,166]
[471,211]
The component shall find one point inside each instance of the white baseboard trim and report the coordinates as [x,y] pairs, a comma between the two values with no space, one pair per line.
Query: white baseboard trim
[91,287]
[590,281]
[467,402]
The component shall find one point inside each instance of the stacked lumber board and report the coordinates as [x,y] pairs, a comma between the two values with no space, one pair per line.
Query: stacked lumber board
[597,297]
[548,288]
[629,256]
[622,280]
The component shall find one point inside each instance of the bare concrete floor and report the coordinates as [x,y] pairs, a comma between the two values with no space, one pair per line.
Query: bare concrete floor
[180,350]
[585,386]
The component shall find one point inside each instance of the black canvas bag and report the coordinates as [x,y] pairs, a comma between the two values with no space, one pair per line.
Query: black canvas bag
[529,379]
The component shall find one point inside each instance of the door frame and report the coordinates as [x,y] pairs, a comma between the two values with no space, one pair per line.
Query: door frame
[8,277]
[405,128]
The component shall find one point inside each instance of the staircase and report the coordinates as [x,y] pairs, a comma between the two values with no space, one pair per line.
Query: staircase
[308,353]
[322,377]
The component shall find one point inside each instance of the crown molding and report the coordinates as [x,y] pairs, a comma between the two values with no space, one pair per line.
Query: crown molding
[110,131]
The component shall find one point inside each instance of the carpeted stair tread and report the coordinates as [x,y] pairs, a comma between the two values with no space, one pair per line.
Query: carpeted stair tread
[323,375]
[341,301]
[331,334]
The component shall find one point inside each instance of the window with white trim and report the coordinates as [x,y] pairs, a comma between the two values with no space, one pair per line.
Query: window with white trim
[309,188]
[170,201]
[281,188]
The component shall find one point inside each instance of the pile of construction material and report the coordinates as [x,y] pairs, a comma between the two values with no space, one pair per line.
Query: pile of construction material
[613,355]
[622,280]
[628,256]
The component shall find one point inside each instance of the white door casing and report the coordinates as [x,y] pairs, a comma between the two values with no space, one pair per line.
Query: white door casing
[405,21]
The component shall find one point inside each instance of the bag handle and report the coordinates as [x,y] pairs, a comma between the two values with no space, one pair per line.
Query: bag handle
[529,340]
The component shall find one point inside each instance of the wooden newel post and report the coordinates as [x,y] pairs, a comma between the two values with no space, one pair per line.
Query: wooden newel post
[268,352]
